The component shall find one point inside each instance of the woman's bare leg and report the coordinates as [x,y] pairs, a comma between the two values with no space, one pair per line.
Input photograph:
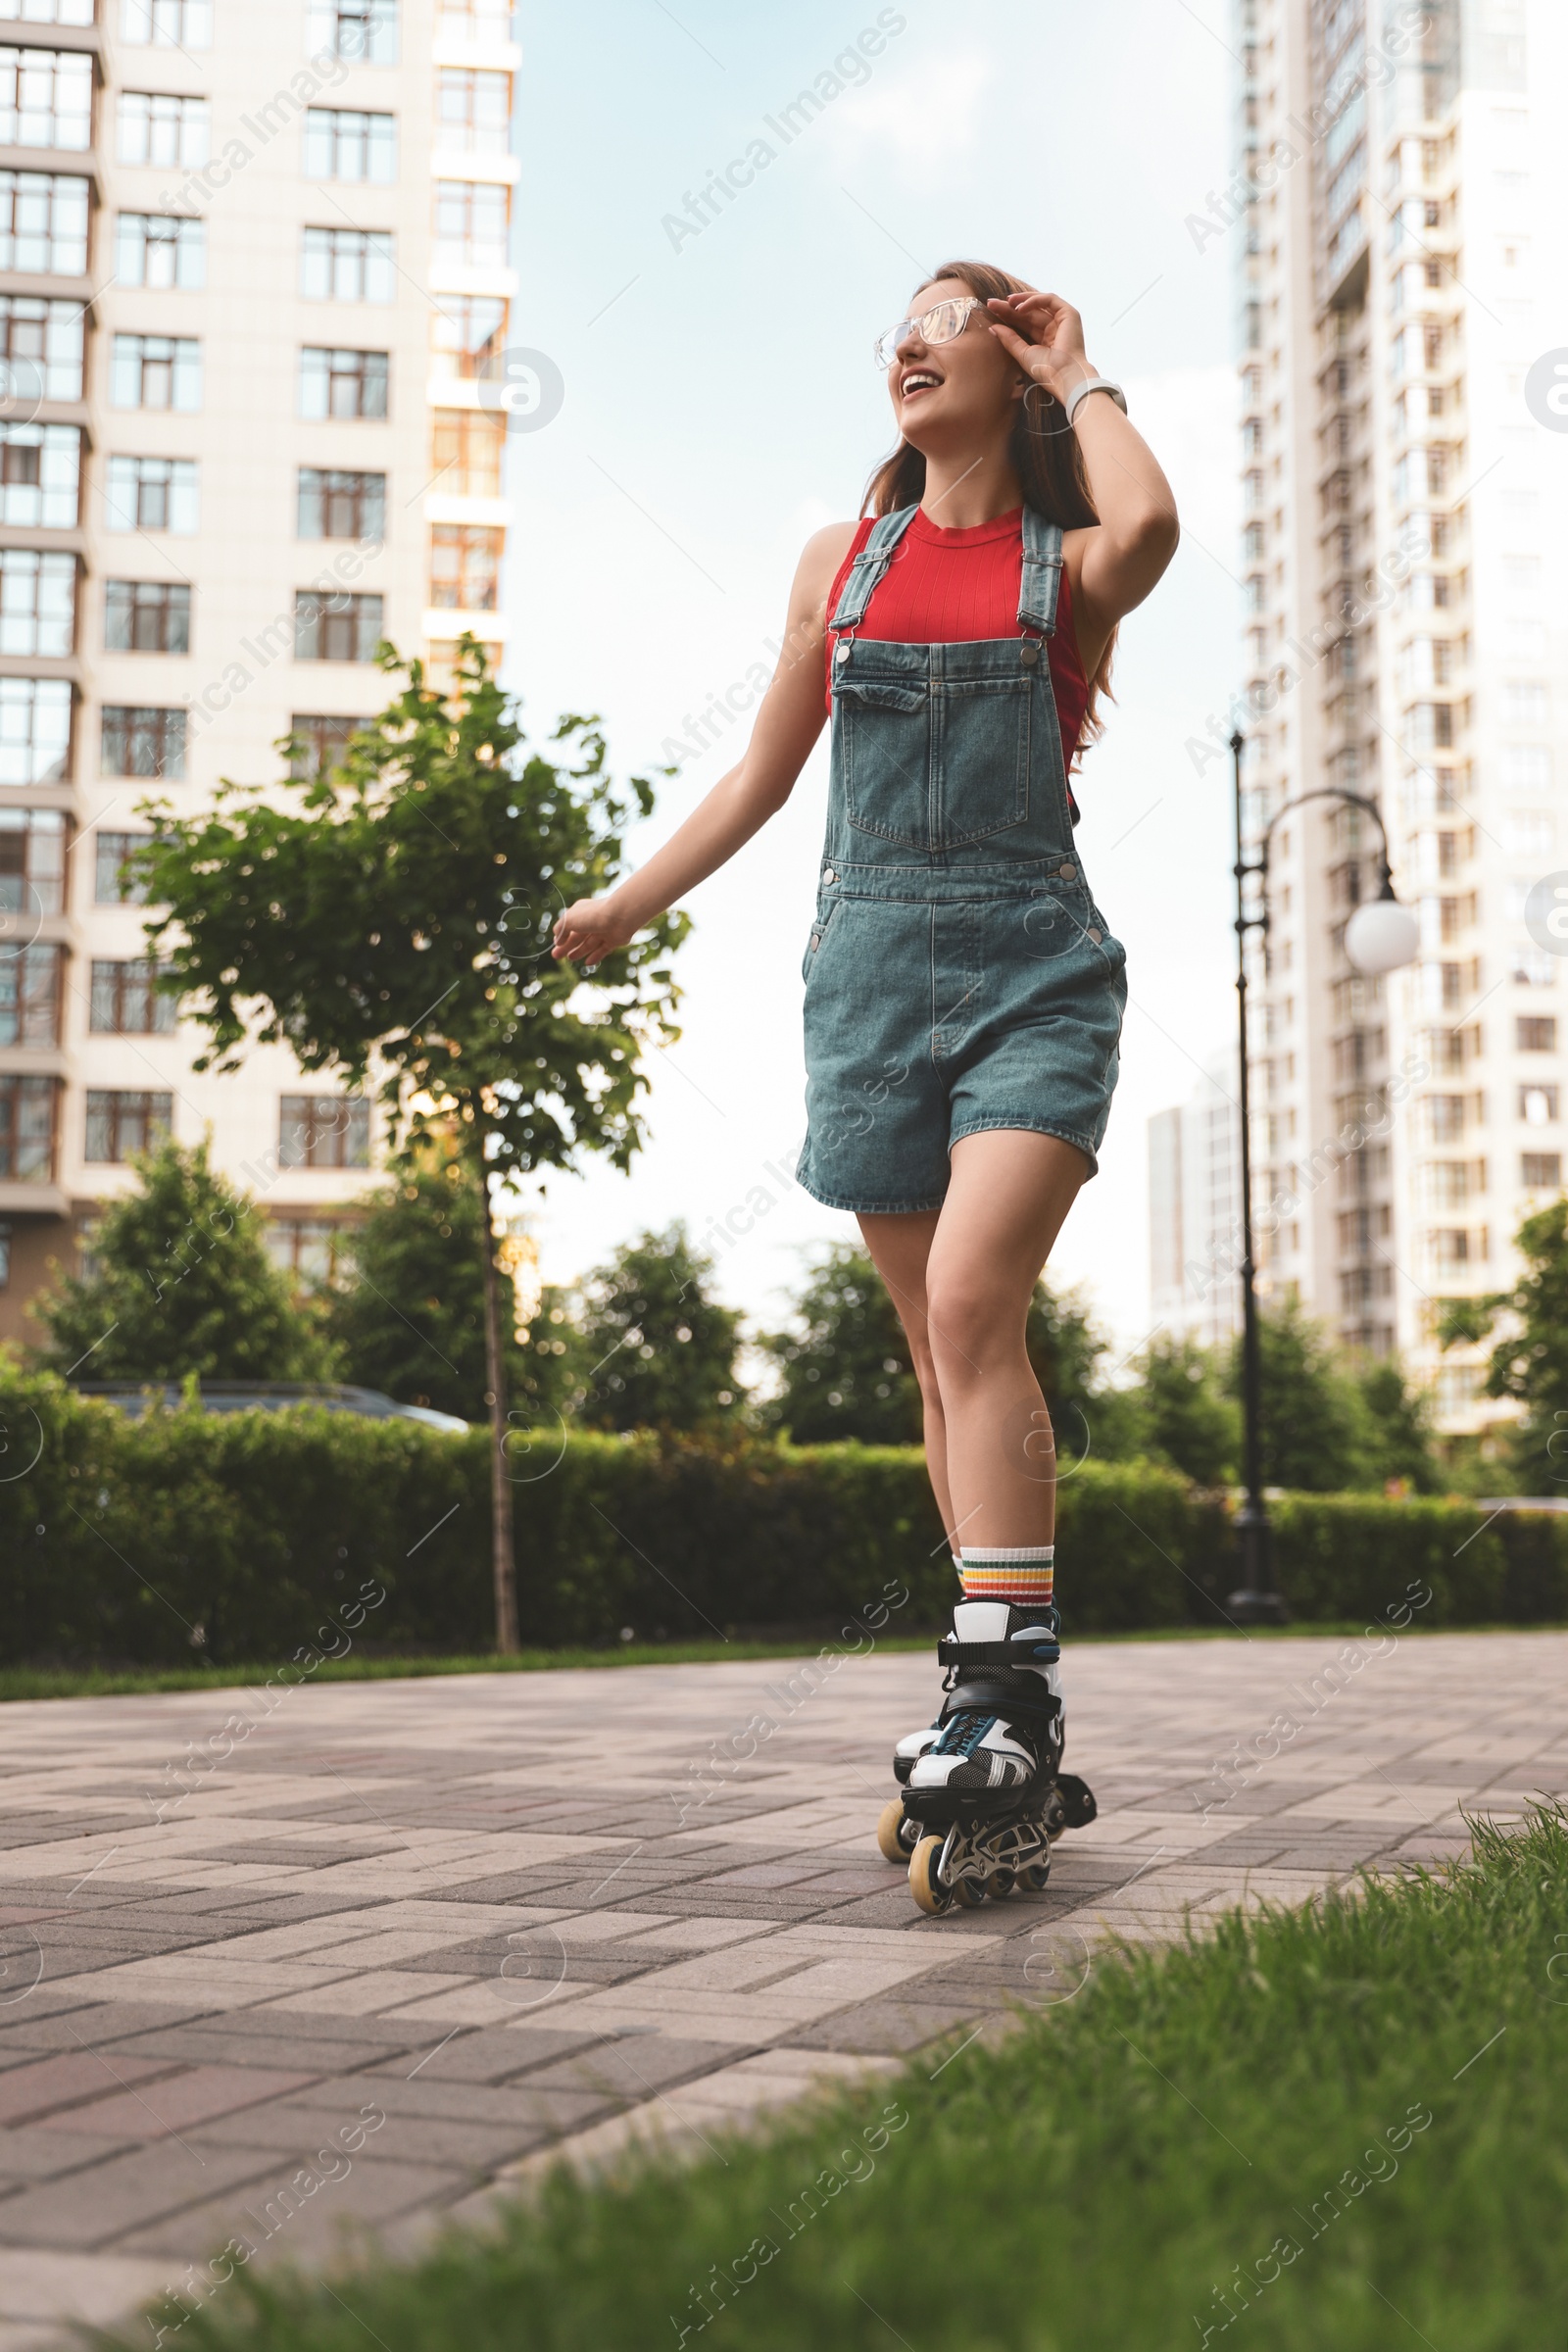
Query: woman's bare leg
[962,1280]
[899,1247]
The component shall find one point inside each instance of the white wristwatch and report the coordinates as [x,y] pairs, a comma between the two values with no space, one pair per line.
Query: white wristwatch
[1094,383]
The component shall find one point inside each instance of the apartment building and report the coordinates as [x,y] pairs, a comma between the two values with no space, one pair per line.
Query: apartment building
[254,297]
[1398,225]
[1194,1211]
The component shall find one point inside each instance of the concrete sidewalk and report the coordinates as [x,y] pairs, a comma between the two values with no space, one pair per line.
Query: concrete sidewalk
[503,1913]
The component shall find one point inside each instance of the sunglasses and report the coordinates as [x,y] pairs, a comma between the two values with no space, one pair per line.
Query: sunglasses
[939,325]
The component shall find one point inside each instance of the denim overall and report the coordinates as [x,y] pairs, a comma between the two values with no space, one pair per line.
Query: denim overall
[959,975]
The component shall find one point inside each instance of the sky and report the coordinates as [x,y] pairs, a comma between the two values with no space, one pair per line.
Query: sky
[720,402]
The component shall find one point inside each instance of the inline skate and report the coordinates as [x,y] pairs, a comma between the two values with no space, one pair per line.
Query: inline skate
[984,1796]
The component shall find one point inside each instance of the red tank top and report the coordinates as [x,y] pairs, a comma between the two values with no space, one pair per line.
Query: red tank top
[950,587]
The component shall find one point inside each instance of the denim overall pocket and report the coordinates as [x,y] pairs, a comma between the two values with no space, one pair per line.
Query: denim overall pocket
[885,742]
[934,765]
[982,756]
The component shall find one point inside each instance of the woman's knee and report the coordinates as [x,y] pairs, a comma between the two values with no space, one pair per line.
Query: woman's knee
[973,1324]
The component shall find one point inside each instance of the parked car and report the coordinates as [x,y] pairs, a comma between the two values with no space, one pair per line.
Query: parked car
[133,1396]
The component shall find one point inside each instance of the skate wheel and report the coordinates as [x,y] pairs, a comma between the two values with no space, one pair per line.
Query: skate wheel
[1001,1884]
[971,1893]
[890,1832]
[1036,1875]
[924,1884]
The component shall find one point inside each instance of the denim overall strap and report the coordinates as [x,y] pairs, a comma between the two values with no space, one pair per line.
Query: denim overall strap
[869,566]
[1040,583]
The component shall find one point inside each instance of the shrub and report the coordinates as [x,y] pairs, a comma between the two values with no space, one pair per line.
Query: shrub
[240,1536]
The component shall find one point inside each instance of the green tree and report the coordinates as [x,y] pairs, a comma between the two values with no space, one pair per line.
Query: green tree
[409,1316]
[1315,1434]
[1184,1414]
[391,920]
[1530,1362]
[182,1284]
[1398,1438]
[655,1351]
[846,1370]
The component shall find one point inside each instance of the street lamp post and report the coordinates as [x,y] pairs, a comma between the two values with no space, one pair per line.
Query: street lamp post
[1380,936]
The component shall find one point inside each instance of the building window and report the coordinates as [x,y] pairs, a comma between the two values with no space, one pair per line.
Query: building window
[27,1129]
[1534,1033]
[475,19]
[29,997]
[142,743]
[467,335]
[341,505]
[126,1001]
[43,224]
[465,566]
[156,372]
[471,225]
[347,264]
[167,24]
[362,30]
[40,476]
[119,880]
[163,251]
[1540,1171]
[46,98]
[50,12]
[121,1123]
[172,133]
[41,344]
[311,1250]
[146,617]
[473,111]
[324,1131]
[341,143]
[151,494]
[343,383]
[32,862]
[37,603]
[335,628]
[318,744]
[34,730]
[466,447]
[1537,1105]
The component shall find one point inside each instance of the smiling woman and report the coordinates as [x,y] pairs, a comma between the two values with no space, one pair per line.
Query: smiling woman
[963,993]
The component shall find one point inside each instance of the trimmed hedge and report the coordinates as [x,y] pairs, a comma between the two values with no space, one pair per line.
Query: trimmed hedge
[246,1537]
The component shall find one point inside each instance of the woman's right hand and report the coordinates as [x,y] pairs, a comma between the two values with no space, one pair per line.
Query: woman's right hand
[590,930]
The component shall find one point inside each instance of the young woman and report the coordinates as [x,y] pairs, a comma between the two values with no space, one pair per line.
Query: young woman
[963,994]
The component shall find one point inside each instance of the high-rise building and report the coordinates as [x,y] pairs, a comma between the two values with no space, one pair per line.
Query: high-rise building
[1397,217]
[254,298]
[1194,1211]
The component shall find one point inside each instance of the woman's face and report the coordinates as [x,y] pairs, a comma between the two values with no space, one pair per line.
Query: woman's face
[946,395]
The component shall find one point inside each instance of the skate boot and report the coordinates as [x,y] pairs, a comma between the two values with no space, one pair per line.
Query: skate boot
[985,1795]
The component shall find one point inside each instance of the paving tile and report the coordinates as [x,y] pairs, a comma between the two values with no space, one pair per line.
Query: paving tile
[281,2217]
[92,2288]
[95,2206]
[73,2078]
[176,2101]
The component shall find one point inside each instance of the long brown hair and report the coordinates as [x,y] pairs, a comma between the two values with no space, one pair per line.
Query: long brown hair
[1044,454]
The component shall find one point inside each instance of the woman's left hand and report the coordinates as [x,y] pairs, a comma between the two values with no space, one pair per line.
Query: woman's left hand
[1046,336]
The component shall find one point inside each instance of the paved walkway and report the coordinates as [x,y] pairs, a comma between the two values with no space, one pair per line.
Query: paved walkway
[406,1937]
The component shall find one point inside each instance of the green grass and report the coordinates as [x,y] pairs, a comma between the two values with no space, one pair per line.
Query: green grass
[1092,2183]
[110,1682]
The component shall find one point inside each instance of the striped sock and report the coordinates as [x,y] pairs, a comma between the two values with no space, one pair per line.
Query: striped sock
[1022,1574]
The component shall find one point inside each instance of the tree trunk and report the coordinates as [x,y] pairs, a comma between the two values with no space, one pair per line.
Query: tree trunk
[501,1557]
